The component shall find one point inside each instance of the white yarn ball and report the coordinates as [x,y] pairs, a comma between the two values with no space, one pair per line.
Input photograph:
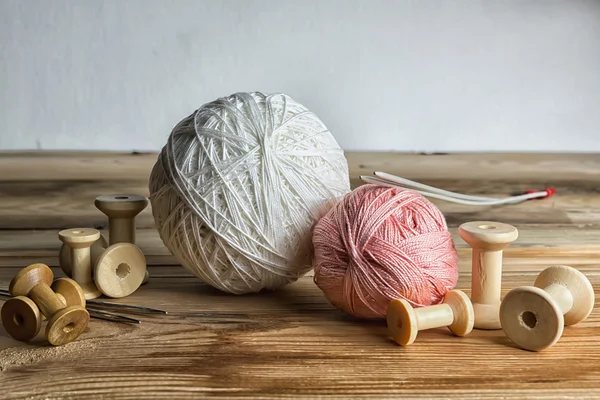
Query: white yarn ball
[240,184]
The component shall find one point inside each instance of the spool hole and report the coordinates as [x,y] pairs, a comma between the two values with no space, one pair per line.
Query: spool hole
[121,197]
[123,270]
[528,319]
[487,227]
[69,327]
[18,319]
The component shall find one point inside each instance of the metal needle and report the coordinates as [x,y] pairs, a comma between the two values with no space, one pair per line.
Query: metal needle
[129,306]
[111,317]
[109,304]
[94,312]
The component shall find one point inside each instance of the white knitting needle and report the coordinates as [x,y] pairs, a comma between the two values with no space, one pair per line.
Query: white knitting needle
[430,191]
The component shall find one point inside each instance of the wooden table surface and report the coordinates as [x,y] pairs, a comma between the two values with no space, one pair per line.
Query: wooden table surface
[293,343]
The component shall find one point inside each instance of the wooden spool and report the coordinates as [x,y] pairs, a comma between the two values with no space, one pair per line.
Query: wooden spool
[117,271]
[64,257]
[487,239]
[404,322]
[65,323]
[79,242]
[21,317]
[533,317]
[121,210]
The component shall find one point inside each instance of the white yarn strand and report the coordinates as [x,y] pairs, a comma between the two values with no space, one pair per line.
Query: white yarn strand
[238,187]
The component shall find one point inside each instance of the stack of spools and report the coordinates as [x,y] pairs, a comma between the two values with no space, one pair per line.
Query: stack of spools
[247,183]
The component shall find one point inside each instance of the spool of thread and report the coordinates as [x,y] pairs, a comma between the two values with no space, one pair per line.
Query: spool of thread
[380,244]
[239,185]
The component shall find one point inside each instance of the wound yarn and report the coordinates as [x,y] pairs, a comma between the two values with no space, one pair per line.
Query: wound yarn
[238,187]
[382,243]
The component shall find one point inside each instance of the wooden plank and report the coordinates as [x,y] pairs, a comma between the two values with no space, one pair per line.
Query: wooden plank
[24,247]
[541,244]
[478,166]
[291,342]
[97,166]
[58,204]
[20,166]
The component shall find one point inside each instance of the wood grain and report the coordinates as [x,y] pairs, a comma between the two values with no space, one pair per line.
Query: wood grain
[571,244]
[34,204]
[292,343]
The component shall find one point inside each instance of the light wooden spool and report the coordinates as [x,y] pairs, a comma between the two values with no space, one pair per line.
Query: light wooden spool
[121,210]
[65,323]
[79,242]
[117,271]
[487,239]
[533,317]
[404,322]
[64,256]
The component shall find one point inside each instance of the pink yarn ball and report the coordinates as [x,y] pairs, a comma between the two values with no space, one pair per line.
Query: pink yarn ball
[381,243]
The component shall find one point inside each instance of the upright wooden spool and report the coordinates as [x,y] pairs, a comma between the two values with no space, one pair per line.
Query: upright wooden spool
[65,323]
[487,239]
[534,317]
[121,210]
[79,242]
[64,257]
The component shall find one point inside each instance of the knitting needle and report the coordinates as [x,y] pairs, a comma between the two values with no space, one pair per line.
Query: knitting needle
[395,181]
[129,306]
[109,304]
[95,313]
[112,317]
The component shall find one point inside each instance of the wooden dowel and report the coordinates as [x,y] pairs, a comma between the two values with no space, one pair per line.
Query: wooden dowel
[486,282]
[120,230]
[48,302]
[434,316]
[561,295]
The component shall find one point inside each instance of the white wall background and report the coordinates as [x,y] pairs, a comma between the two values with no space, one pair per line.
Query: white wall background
[513,75]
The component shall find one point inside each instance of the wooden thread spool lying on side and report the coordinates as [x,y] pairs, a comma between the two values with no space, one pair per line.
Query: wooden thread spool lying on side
[121,210]
[65,322]
[117,271]
[487,239]
[533,317]
[21,317]
[404,322]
